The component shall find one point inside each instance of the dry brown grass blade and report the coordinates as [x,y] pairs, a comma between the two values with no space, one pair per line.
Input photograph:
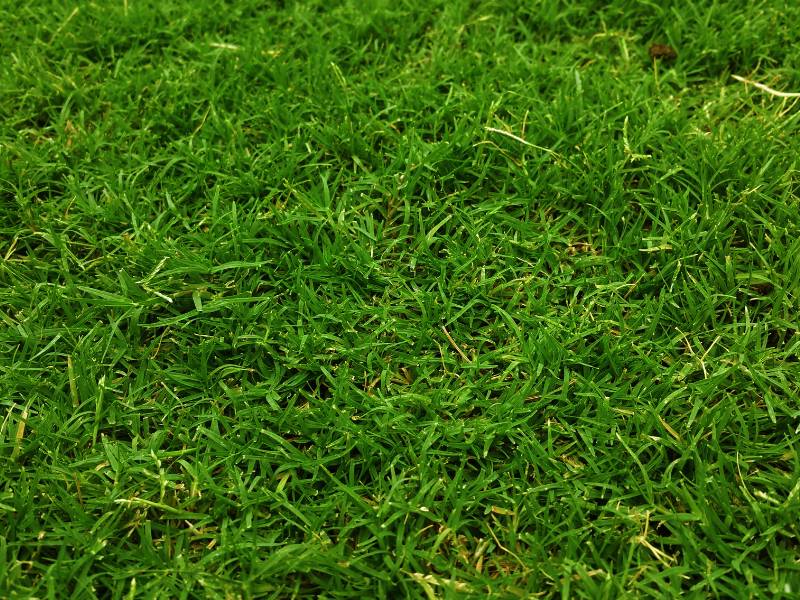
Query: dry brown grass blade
[766,88]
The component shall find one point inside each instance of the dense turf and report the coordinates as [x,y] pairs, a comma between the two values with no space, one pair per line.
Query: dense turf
[399,299]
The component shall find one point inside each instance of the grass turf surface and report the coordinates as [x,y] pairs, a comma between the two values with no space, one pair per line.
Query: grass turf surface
[286,313]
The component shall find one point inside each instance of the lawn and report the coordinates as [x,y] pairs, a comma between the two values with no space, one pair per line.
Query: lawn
[399,299]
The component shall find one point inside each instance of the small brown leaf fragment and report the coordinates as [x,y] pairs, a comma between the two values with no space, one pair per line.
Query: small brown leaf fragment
[663,52]
[71,132]
[20,434]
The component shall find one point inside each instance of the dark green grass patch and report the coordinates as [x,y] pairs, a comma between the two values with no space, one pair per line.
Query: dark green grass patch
[399,300]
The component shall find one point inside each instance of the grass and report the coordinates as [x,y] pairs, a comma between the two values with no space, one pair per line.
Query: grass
[399,300]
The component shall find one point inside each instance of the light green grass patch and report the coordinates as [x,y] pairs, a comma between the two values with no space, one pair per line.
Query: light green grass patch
[399,300]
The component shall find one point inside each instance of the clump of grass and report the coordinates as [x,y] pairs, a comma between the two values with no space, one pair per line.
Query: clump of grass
[407,300]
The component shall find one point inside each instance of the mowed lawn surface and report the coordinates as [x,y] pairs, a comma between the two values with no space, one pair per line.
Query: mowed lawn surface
[399,299]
